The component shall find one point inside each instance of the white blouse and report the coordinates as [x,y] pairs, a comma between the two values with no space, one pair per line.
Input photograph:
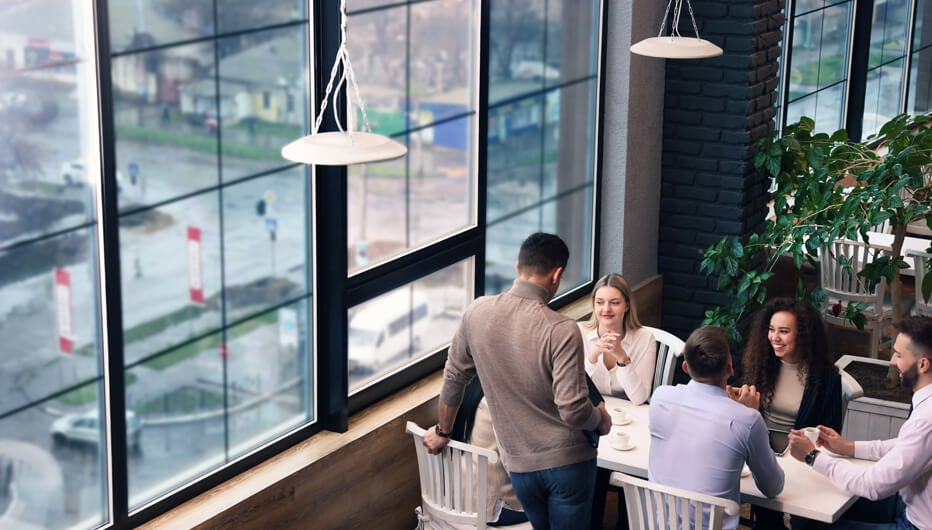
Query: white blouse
[633,380]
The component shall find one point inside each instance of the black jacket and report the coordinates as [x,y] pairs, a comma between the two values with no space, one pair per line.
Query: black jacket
[822,407]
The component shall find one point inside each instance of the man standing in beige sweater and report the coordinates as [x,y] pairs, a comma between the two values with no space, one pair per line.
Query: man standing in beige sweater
[530,361]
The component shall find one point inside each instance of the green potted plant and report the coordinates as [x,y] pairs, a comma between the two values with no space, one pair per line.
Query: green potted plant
[826,188]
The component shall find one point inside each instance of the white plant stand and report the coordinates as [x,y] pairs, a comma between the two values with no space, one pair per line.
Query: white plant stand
[870,418]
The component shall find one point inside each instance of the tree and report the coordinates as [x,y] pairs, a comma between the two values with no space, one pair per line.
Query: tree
[828,188]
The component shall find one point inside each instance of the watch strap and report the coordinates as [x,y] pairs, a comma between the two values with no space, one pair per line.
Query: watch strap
[440,432]
[810,457]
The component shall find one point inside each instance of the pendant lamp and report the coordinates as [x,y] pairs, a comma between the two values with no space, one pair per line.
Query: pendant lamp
[342,147]
[675,46]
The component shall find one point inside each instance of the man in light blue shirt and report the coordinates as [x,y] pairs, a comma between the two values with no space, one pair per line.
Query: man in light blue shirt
[704,432]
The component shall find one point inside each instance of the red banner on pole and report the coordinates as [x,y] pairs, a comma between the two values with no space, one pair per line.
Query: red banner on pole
[195,275]
[63,306]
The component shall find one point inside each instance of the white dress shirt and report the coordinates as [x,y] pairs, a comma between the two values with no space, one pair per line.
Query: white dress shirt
[904,464]
[700,439]
[633,381]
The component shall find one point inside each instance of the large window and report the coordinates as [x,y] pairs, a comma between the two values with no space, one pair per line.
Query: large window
[168,300]
[543,89]
[856,65]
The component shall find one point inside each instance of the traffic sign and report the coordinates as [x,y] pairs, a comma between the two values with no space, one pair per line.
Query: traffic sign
[271,224]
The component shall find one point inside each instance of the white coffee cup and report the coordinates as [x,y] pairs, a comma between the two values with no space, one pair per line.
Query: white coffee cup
[620,439]
[812,433]
[619,415]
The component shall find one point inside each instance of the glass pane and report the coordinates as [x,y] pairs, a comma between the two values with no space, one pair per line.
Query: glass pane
[824,107]
[265,255]
[834,45]
[400,205]
[263,98]
[805,6]
[561,217]
[170,260]
[136,24]
[883,97]
[923,23]
[233,15]
[48,314]
[442,79]
[572,33]
[888,31]
[380,63]
[268,391]
[920,82]
[407,324]
[820,43]
[49,306]
[166,123]
[517,56]
[179,398]
[568,138]
[52,465]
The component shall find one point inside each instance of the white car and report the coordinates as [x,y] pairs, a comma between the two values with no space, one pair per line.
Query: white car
[86,428]
[74,173]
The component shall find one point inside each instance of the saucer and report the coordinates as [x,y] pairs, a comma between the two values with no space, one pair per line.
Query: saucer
[625,422]
[628,447]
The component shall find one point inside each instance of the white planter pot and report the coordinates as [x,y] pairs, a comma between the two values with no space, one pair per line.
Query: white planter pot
[869,418]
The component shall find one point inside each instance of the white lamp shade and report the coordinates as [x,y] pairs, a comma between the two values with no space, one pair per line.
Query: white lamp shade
[676,48]
[343,149]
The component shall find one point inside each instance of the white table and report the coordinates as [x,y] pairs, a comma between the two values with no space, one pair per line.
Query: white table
[806,492]
[885,241]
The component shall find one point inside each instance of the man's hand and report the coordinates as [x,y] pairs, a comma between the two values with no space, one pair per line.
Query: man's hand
[833,441]
[605,425]
[746,395]
[800,445]
[433,442]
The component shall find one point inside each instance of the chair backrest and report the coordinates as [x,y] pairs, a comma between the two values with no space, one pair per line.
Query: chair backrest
[842,259]
[454,482]
[850,389]
[654,506]
[669,347]
[921,263]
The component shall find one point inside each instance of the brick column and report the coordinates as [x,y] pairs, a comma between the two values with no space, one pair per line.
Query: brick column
[714,112]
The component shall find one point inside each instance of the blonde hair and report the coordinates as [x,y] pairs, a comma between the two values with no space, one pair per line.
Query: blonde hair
[630,320]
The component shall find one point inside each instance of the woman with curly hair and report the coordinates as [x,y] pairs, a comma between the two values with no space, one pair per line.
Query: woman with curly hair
[787,359]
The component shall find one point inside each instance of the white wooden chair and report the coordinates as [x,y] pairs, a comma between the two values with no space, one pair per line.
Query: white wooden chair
[920,263]
[850,389]
[841,283]
[454,484]
[653,506]
[669,347]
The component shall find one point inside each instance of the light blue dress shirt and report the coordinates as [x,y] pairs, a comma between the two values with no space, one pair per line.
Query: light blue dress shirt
[700,440]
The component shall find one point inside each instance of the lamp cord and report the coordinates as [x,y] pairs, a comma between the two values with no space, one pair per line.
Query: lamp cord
[342,57]
[677,11]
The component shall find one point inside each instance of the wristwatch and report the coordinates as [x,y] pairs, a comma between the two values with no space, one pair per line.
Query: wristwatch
[440,432]
[810,457]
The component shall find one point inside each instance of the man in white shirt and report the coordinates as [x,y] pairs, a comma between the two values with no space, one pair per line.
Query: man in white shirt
[702,433]
[904,463]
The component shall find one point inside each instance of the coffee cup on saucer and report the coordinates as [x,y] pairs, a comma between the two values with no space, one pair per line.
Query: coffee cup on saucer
[619,415]
[620,440]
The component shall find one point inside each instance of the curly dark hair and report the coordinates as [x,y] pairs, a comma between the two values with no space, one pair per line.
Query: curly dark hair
[762,366]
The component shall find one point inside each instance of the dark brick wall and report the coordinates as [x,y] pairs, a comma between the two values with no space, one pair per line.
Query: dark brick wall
[715,110]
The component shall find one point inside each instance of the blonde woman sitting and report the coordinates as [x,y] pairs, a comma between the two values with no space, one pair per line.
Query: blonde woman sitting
[620,353]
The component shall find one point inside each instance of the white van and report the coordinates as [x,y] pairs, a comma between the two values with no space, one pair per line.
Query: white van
[387,329]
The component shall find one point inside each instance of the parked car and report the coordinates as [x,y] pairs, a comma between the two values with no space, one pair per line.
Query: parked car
[85,428]
[534,71]
[27,105]
[74,173]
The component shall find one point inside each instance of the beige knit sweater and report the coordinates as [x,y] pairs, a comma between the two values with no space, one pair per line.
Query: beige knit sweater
[530,361]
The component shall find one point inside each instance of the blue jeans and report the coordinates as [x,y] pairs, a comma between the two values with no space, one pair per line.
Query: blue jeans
[868,508]
[559,498]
